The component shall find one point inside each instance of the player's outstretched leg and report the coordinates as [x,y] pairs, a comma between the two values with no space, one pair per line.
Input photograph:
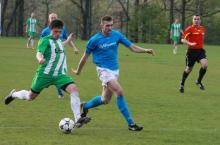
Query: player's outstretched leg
[9,98]
[22,95]
[75,106]
[125,112]
[94,102]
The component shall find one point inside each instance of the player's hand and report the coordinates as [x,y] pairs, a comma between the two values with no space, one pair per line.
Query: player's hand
[150,51]
[192,43]
[75,71]
[69,38]
[41,61]
[76,51]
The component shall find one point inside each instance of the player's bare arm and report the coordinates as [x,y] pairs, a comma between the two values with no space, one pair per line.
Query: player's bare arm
[75,49]
[139,49]
[40,58]
[81,64]
[69,39]
[187,42]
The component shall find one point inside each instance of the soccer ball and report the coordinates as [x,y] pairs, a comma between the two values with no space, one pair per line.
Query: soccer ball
[66,125]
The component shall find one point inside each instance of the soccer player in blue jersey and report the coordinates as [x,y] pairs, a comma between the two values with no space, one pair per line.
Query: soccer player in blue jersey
[104,47]
[63,37]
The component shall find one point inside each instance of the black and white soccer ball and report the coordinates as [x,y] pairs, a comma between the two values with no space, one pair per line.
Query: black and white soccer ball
[66,125]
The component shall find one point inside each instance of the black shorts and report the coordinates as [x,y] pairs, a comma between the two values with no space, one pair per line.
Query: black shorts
[194,55]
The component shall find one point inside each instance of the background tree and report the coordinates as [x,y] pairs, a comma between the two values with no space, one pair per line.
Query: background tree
[85,8]
[148,20]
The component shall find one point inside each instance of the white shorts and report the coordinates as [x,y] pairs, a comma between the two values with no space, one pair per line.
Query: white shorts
[106,75]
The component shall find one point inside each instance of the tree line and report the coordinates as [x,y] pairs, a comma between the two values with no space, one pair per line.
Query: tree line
[145,21]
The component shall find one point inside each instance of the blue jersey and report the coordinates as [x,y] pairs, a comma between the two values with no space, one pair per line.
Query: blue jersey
[46,32]
[105,49]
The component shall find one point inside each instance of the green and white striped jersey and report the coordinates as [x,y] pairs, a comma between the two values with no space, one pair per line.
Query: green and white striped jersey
[32,25]
[54,54]
[176,29]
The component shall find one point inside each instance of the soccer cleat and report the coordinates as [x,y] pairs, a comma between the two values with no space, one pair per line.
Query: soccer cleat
[9,98]
[174,51]
[60,96]
[135,127]
[84,112]
[201,86]
[81,121]
[181,89]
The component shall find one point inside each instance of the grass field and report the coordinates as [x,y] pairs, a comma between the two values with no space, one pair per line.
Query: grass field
[151,90]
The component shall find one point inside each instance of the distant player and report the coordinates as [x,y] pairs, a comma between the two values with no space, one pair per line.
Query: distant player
[31,30]
[175,34]
[51,57]
[104,47]
[63,37]
[193,36]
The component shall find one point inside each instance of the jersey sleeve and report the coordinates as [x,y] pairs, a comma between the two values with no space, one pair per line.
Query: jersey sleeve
[186,33]
[124,40]
[27,22]
[171,27]
[64,33]
[42,45]
[90,46]
[45,32]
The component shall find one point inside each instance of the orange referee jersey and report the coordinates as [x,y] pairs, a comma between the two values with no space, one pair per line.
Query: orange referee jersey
[194,34]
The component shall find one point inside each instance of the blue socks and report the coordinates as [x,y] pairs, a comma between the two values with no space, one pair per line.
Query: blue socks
[124,109]
[96,101]
[59,92]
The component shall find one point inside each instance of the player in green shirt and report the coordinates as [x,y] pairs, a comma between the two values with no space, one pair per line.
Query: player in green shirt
[175,34]
[52,71]
[31,30]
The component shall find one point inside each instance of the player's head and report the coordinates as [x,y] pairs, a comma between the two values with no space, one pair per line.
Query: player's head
[56,28]
[32,14]
[106,24]
[176,20]
[196,20]
[52,17]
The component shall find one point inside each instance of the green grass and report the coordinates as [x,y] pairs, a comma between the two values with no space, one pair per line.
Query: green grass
[151,91]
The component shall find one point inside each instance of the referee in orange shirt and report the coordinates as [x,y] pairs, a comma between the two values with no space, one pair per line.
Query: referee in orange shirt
[193,36]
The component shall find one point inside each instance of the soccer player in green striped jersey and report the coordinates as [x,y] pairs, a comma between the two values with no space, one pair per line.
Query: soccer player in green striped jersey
[52,71]
[31,30]
[175,34]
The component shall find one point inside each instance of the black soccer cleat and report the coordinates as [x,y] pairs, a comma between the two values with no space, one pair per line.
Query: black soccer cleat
[201,86]
[84,112]
[9,98]
[181,89]
[81,121]
[135,127]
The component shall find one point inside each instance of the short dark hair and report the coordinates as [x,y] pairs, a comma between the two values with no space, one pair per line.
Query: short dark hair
[197,15]
[106,18]
[56,24]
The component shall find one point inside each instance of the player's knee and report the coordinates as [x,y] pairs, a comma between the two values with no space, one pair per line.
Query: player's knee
[105,102]
[32,97]
[106,99]
[119,92]
[205,65]
[71,88]
[188,69]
